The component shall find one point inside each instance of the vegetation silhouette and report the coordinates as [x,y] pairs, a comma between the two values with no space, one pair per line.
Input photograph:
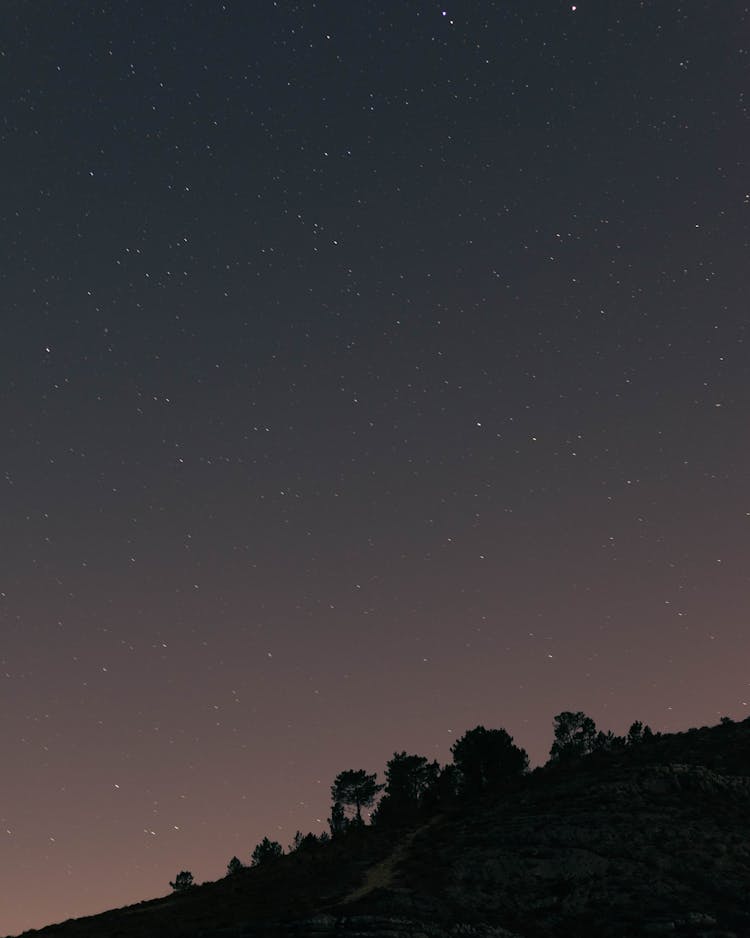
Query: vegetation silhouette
[338,822]
[355,788]
[410,785]
[266,852]
[487,760]
[575,736]
[454,841]
[638,733]
[305,842]
[183,881]
[235,866]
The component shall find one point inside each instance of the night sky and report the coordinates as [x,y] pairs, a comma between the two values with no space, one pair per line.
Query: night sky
[368,371]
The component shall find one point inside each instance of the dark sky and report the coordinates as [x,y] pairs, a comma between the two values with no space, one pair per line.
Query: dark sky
[367,371]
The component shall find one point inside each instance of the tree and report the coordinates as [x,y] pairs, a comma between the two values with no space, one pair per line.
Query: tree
[303,842]
[235,866]
[408,780]
[635,733]
[265,851]
[607,742]
[487,759]
[575,736]
[338,821]
[445,791]
[638,733]
[183,881]
[355,788]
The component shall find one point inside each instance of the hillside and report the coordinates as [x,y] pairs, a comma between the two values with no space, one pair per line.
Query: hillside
[646,841]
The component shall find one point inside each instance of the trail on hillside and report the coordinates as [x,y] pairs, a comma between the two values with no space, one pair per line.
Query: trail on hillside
[380,875]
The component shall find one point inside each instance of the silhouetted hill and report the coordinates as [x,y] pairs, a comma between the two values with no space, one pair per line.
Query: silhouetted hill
[649,840]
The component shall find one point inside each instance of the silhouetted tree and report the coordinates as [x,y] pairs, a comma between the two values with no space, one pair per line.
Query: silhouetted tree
[235,866]
[638,733]
[183,881]
[575,736]
[355,788]
[303,842]
[266,850]
[386,813]
[635,733]
[607,742]
[445,790]
[487,759]
[338,821]
[408,779]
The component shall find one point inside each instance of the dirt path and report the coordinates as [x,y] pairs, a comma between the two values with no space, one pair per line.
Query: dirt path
[381,874]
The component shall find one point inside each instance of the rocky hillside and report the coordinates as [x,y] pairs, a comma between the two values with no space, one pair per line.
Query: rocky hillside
[649,841]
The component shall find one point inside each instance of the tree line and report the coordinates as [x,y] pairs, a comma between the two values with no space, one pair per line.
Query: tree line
[484,760]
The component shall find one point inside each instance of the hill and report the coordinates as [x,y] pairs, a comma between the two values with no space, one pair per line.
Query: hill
[649,840]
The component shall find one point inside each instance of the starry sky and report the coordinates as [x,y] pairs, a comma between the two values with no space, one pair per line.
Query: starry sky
[368,371]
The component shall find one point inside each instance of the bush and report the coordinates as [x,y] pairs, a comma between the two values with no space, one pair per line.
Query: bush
[266,850]
[183,881]
[235,866]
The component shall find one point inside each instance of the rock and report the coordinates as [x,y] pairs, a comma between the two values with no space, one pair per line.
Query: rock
[699,918]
